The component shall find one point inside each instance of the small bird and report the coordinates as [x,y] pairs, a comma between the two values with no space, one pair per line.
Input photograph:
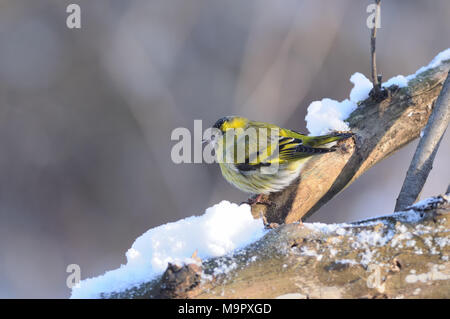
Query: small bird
[272,160]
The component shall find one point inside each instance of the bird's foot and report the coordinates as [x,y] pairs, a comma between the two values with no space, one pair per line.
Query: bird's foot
[258,200]
[271,225]
[268,225]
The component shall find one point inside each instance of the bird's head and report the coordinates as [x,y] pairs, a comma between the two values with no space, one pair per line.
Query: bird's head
[230,122]
[225,123]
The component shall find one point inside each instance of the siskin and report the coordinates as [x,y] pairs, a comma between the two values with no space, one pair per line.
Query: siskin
[262,158]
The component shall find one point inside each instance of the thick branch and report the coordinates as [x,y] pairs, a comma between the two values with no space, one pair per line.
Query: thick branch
[404,255]
[422,161]
[381,129]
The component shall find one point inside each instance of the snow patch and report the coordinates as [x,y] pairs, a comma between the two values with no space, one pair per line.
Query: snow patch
[427,203]
[402,81]
[361,87]
[329,115]
[346,261]
[328,228]
[220,230]
[399,80]
[373,238]
[438,59]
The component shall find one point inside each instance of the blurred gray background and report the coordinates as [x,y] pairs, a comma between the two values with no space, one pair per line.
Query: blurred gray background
[86,114]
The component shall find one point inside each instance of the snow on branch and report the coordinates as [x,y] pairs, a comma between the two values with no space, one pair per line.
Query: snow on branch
[402,255]
[220,230]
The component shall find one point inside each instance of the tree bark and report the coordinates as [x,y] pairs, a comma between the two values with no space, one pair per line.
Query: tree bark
[403,255]
[422,161]
[381,129]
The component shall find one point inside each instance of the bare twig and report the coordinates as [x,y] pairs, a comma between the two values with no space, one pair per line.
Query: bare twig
[376,79]
[422,161]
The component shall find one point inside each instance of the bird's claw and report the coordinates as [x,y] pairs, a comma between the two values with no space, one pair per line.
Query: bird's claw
[258,200]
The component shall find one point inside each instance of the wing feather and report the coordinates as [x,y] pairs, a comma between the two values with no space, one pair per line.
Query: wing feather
[291,146]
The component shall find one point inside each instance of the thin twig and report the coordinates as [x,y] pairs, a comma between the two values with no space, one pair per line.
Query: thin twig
[422,162]
[376,79]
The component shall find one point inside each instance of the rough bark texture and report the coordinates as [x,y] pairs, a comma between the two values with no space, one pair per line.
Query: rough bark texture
[381,129]
[422,161]
[404,255]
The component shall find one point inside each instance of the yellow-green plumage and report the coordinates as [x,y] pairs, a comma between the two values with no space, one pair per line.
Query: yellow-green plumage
[279,151]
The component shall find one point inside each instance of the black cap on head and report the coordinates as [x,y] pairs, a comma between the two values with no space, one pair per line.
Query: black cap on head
[219,122]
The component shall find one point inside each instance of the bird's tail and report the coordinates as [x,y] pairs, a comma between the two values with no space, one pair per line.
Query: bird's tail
[315,141]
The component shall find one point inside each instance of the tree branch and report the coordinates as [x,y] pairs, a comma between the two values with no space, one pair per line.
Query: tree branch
[422,161]
[404,255]
[381,129]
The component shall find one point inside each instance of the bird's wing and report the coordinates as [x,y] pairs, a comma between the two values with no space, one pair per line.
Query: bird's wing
[293,149]
[315,141]
[259,150]
[281,146]
[294,145]
[277,150]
